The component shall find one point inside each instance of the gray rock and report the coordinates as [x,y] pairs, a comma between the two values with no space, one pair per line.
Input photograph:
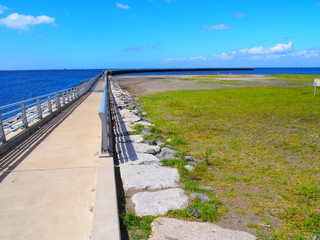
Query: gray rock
[160,143]
[146,132]
[194,212]
[167,153]
[144,123]
[137,112]
[160,202]
[141,177]
[130,138]
[138,159]
[151,151]
[207,188]
[131,118]
[188,158]
[151,142]
[143,148]
[132,105]
[189,168]
[194,163]
[170,228]
[202,197]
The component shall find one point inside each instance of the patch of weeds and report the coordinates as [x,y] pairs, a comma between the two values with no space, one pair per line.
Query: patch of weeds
[138,227]
[207,155]
[180,155]
[242,213]
[132,132]
[153,136]
[208,211]
[180,214]
[308,190]
[173,163]
[176,140]
[138,128]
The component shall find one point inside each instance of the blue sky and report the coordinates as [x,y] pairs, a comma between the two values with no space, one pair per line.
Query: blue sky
[158,33]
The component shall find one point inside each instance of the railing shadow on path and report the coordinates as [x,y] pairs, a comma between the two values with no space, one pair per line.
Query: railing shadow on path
[11,159]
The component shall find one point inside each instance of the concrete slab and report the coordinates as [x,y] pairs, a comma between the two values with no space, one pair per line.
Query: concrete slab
[142,177]
[170,228]
[159,202]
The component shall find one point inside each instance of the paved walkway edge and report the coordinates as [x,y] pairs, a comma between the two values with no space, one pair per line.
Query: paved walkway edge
[106,218]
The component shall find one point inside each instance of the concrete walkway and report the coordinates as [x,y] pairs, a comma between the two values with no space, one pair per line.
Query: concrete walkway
[48,184]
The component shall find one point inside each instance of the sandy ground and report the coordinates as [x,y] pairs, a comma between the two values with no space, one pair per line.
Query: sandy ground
[139,85]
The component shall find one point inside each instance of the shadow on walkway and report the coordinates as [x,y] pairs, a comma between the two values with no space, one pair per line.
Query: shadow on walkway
[10,160]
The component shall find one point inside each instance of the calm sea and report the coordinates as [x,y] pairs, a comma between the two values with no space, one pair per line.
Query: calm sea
[16,86]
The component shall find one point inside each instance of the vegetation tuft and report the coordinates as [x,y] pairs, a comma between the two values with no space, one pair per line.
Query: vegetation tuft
[138,227]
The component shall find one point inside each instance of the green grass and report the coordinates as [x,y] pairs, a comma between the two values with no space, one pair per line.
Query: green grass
[265,142]
[138,227]
[217,79]
[295,77]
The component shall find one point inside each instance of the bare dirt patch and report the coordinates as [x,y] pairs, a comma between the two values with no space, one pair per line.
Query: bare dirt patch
[139,85]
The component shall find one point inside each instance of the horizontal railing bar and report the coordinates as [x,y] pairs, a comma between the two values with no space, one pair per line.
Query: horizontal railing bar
[12,111]
[13,123]
[42,96]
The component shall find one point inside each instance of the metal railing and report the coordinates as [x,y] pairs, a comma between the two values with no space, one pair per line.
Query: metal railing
[20,115]
[105,116]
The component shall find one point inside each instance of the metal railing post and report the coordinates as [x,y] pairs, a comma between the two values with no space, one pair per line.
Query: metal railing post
[49,104]
[63,100]
[58,101]
[24,115]
[39,109]
[68,95]
[2,134]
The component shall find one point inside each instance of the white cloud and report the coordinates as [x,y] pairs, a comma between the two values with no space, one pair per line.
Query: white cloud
[278,49]
[226,56]
[187,59]
[216,27]
[314,52]
[239,14]
[3,8]
[18,21]
[123,6]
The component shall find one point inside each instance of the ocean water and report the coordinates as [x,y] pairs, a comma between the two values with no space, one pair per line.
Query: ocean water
[17,86]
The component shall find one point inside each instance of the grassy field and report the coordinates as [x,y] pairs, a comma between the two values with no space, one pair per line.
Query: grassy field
[261,148]
[293,79]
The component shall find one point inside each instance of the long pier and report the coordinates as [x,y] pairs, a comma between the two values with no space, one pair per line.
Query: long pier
[50,187]
[59,181]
